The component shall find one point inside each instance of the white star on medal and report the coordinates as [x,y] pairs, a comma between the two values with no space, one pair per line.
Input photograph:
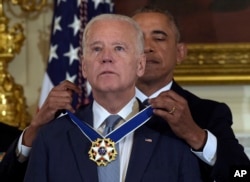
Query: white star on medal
[105,156]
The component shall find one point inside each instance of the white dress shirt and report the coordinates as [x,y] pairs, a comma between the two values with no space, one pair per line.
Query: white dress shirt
[125,145]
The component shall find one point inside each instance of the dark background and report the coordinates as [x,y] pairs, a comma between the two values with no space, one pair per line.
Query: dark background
[202,21]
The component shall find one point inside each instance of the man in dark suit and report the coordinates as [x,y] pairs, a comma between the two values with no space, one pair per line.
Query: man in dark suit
[204,125]
[112,62]
[191,114]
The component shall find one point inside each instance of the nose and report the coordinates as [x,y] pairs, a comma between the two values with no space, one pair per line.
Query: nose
[148,47]
[107,61]
[106,56]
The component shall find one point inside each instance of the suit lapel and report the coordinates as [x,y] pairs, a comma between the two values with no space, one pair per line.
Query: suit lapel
[144,144]
[80,147]
[175,87]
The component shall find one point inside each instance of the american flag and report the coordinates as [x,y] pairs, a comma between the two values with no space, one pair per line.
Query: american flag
[69,20]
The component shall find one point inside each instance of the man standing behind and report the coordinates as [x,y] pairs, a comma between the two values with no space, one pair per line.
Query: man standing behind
[204,125]
[113,60]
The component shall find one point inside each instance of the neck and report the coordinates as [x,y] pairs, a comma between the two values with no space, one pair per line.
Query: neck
[113,102]
[149,88]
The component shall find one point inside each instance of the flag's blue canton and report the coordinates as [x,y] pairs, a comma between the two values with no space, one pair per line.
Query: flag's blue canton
[64,49]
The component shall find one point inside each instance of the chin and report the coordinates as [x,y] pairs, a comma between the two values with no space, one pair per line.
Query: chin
[147,78]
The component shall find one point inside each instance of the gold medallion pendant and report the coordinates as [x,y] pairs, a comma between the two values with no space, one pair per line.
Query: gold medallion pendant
[102,151]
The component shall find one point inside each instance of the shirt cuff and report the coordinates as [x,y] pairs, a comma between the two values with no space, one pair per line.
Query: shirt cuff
[22,151]
[209,153]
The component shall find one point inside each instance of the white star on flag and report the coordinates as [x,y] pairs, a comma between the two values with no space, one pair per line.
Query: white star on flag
[57,24]
[75,25]
[59,1]
[70,78]
[72,54]
[52,53]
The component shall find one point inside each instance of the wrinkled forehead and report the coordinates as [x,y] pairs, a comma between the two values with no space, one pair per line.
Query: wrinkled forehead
[114,25]
[111,25]
[111,32]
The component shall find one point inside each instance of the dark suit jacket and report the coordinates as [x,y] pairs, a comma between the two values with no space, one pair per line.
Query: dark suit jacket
[214,116]
[60,153]
[217,118]
[7,135]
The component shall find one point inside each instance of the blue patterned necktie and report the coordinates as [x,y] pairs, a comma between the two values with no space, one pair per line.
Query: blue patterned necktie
[111,172]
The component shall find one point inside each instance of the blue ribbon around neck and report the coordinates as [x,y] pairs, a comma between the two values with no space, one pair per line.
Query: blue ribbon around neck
[116,135]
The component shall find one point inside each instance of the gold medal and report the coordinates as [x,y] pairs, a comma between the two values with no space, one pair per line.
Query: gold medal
[102,151]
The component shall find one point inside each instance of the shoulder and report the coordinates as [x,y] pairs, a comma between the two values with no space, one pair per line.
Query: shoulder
[60,124]
[64,123]
[197,102]
[207,106]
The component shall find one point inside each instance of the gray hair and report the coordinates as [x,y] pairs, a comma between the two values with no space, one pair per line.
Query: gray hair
[123,18]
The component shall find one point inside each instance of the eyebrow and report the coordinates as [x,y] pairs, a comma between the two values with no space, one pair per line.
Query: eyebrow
[94,43]
[159,32]
[114,43]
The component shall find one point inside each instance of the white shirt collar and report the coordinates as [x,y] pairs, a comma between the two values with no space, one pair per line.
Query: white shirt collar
[141,96]
[100,113]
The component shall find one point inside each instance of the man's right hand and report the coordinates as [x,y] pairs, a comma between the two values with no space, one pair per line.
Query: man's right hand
[60,97]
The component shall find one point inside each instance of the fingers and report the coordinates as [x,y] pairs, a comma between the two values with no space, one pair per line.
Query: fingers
[59,98]
[170,94]
[67,85]
[59,102]
[63,93]
[172,110]
[168,101]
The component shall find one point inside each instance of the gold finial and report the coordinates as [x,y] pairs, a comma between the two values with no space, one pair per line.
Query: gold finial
[12,101]
[30,5]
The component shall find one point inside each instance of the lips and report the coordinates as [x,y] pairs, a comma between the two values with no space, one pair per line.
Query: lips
[151,61]
[107,72]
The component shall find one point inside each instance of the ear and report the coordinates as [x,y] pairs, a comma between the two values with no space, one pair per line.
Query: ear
[84,73]
[141,65]
[181,52]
